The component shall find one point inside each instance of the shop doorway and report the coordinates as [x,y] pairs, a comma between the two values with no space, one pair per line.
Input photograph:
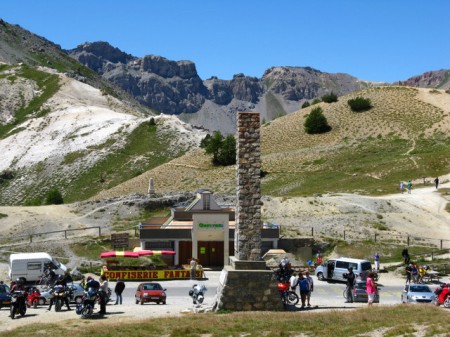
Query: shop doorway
[210,253]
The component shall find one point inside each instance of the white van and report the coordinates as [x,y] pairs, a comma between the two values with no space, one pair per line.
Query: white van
[335,269]
[32,265]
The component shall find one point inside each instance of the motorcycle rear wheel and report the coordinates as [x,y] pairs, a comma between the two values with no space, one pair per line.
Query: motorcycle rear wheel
[447,302]
[289,297]
[87,311]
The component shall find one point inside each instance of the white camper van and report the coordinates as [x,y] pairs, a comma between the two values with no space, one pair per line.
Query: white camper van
[32,265]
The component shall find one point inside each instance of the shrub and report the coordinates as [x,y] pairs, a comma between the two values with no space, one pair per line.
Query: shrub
[359,104]
[205,141]
[315,101]
[54,197]
[330,98]
[316,122]
[222,149]
[305,105]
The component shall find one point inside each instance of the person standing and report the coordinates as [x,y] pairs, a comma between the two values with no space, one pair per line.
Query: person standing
[103,294]
[402,187]
[311,288]
[371,288]
[415,273]
[350,277]
[436,182]
[319,258]
[408,271]
[193,266]
[118,289]
[293,282]
[304,288]
[409,186]
[377,261]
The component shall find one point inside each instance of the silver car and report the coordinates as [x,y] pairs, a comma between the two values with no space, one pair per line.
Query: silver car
[417,293]
[76,294]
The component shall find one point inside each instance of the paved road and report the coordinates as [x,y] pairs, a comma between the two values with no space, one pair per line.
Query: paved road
[325,294]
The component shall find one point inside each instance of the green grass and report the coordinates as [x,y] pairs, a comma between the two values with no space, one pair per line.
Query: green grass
[120,165]
[373,167]
[399,320]
[47,83]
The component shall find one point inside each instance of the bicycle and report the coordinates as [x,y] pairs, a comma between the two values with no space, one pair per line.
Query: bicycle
[345,292]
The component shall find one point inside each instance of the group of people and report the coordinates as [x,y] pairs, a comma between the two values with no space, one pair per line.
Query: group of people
[371,286]
[415,273]
[306,286]
[409,185]
[102,286]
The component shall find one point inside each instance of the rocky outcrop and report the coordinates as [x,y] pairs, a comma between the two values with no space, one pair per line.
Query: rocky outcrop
[432,79]
[174,87]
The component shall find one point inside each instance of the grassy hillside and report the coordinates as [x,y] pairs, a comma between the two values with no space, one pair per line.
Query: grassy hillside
[404,136]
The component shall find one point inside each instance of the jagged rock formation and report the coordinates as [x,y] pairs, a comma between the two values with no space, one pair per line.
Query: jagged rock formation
[431,79]
[174,87]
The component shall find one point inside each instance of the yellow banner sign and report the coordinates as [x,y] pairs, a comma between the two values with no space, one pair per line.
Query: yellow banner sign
[149,274]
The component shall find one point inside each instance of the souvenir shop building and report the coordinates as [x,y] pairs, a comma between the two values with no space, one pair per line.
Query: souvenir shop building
[203,230]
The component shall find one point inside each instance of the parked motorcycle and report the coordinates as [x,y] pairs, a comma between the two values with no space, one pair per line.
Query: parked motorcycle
[198,293]
[18,303]
[443,295]
[287,296]
[33,298]
[86,307]
[60,294]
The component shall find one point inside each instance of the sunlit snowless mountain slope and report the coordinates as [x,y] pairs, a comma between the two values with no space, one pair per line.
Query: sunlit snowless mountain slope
[404,136]
[81,140]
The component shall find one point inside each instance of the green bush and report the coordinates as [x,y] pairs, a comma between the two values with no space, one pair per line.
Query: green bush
[54,197]
[305,105]
[330,98]
[315,101]
[359,104]
[316,122]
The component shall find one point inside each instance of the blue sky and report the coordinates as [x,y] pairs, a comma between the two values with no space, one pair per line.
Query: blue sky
[376,40]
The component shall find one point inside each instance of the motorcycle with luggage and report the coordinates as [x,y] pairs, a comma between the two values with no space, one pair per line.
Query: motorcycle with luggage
[86,308]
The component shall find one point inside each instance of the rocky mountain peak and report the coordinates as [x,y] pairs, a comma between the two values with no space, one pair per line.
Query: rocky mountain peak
[96,54]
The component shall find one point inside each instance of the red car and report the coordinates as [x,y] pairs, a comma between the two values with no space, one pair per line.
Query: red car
[150,292]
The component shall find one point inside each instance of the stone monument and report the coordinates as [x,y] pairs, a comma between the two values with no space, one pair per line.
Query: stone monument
[246,284]
[151,187]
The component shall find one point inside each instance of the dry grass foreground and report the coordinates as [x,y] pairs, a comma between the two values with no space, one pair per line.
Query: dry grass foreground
[407,113]
[378,321]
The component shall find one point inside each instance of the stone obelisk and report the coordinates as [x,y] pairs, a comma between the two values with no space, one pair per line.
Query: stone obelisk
[246,284]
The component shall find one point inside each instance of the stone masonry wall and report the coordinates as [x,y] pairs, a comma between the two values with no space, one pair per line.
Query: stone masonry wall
[248,215]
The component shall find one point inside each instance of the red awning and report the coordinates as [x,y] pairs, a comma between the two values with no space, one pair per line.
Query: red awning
[155,252]
[106,255]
